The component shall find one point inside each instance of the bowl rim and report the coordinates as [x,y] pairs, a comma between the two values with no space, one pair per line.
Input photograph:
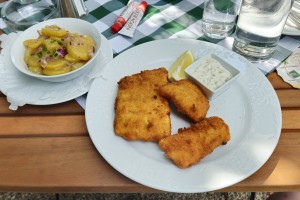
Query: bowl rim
[25,70]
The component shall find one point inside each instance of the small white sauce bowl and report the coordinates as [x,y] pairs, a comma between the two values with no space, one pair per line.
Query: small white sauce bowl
[72,25]
[211,94]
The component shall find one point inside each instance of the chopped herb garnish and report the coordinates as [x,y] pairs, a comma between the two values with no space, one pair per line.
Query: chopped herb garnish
[40,54]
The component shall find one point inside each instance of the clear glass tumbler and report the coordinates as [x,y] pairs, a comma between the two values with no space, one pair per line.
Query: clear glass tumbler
[219,17]
[259,27]
[21,14]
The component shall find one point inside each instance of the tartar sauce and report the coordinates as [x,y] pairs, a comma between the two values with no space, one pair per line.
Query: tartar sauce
[212,74]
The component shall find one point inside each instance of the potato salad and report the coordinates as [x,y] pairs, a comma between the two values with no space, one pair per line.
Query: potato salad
[57,51]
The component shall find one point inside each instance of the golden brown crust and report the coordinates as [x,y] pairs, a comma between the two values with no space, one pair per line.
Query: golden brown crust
[187,97]
[140,112]
[194,143]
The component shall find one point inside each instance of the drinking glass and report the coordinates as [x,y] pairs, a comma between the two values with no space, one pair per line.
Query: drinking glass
[219,17]
[21,14]
[259,27]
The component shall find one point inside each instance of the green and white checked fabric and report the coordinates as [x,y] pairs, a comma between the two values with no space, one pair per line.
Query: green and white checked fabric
[162,19]
[166,19]
[169,19]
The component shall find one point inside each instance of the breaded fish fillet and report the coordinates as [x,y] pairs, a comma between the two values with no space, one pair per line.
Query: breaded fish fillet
[187,97]
[140,112]
[194,143]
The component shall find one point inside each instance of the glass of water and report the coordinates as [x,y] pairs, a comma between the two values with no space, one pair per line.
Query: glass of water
[219,17]
[259,27]
[21,14]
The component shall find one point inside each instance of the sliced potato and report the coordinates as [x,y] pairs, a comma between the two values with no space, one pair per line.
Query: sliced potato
[77,65]
[70,58]
[81,47]
[33,43]
[36,70]
[56,64]
[52,72]
[58,39]
[51,45]
[33,61]
[53,30]
[28,53]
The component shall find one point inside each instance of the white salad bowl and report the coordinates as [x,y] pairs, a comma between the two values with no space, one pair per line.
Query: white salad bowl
[72,25]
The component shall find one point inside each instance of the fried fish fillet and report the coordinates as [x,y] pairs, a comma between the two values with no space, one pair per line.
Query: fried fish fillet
[187,98]
[192,144]
[140,112]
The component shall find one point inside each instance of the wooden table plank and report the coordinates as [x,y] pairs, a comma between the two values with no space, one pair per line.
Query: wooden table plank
[70,107]
[43,126]
[277,81]
[58,164]
[289,98]
[71,125]
[71,164]
[75,126]
[290,119]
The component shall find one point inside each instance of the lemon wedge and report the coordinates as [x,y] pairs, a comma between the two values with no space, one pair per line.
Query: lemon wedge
[176,71]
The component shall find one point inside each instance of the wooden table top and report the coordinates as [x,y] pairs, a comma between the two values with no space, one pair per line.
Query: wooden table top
[48,149]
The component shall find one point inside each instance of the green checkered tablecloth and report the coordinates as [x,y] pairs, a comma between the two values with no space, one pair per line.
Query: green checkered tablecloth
[166,19]
[162,19]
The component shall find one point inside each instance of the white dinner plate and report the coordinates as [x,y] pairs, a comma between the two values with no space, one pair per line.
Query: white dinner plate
[250,108]
[21,88]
